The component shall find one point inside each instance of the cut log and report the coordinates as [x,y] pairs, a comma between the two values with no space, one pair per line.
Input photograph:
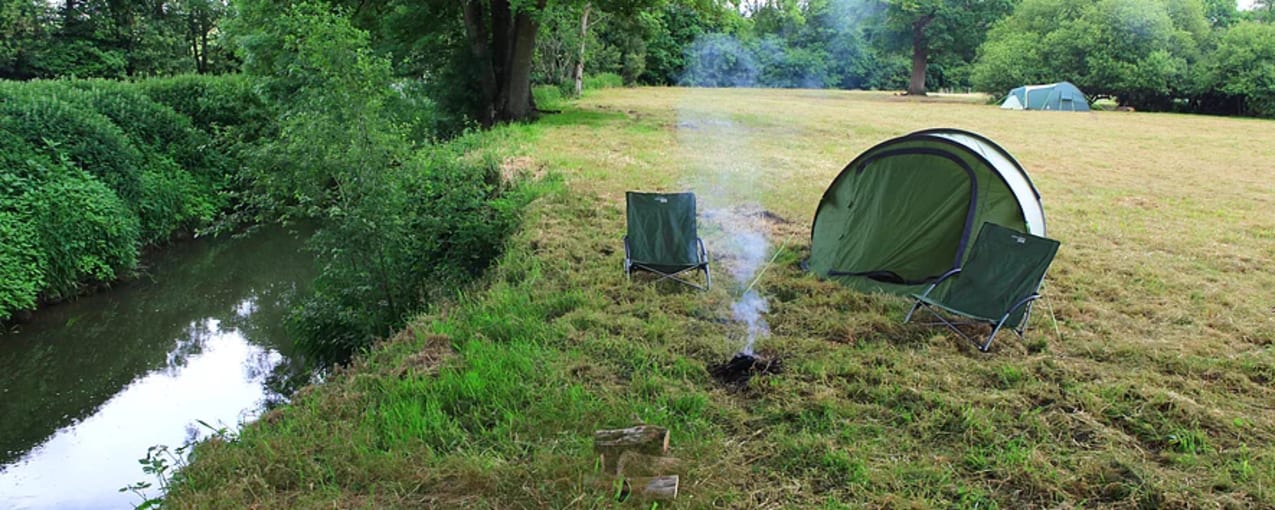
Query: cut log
[633,464]
[644,438]
[610,444]
[662,488]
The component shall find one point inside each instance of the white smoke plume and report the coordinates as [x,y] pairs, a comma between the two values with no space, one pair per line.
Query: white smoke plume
[726,176]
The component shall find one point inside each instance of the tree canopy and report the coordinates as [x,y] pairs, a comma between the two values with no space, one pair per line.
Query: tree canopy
[478,61]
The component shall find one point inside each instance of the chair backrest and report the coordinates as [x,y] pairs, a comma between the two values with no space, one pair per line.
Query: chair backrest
[662,228]
[1004,266]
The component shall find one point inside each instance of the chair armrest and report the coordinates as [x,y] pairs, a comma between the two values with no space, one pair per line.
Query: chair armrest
[1020,304]
[950,273]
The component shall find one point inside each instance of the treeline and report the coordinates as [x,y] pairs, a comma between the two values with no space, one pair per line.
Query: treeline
[94,171]
[1179,55]
[112,38]
[475,59]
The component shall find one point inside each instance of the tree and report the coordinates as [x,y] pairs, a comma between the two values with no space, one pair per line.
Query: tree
[25,25]
[1140,51]
[201,19]
[941,26]
[1244,67]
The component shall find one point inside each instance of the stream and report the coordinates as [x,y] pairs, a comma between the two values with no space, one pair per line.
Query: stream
[194,344]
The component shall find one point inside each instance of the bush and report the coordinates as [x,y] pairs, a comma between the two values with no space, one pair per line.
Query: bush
[174,201]
[64,132]
[21,264]
[225,105]
[603,81]
[24,169]
[548,97]
[152,127]
[181,175]
[86,233]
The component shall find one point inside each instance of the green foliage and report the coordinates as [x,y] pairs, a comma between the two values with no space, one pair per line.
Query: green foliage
[179,173]
[21,263]
[1243,66]
[396,225]
[603,81]
[87,234]
[64,132]
[96,170]
[107,39]
[156,129]
[1141,51]
[224,105]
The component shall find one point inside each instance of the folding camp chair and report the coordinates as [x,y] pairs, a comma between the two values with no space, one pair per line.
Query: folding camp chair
[662,237]
[1000,280]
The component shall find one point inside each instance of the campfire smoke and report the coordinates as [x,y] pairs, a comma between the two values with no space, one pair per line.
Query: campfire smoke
[748,310]
[727,176]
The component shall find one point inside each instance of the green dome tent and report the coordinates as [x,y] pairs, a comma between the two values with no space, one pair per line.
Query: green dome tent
[1061,96]
[905,211]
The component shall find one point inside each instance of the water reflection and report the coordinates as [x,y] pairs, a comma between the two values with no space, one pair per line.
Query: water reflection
[86,387]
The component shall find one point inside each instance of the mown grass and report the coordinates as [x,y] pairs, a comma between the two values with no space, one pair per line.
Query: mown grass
[1145,381]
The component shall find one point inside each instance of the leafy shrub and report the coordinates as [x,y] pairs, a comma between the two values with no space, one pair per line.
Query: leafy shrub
[65,132]
[153,127]
[23,168]
[548,97]
[437,223]
[181,174]
[603,81]
[224,104]
[396,225]
[86,233]
[173,201]
[21,264]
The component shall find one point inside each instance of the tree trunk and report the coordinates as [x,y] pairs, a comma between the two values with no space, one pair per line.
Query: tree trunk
[516,101]
[476,31]
[920,56]
[584,34]
[502,42]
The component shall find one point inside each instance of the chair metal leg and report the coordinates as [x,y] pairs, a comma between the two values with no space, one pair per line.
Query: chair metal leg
[1022,302]
[908,318]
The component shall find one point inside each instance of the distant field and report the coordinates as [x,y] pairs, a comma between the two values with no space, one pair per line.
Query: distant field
[1145,380]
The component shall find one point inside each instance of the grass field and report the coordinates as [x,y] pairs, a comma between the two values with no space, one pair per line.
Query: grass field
[1144,382]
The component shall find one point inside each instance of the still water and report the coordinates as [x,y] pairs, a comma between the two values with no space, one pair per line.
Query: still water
[86,387]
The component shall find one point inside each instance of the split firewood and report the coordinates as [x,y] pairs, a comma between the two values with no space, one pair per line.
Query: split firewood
[650,488]
[610,444]
[634,464]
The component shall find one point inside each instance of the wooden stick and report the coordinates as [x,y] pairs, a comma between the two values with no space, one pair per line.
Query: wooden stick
[610,444]
[647,488]
[634,464]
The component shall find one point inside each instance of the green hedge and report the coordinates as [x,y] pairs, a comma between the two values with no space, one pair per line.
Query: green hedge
[152,126]
[86,233]
[65,132]
[93,170]
[181,173]
[226,104]
[22,263]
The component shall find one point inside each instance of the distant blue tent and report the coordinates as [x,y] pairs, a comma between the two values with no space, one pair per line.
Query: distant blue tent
[1061,96]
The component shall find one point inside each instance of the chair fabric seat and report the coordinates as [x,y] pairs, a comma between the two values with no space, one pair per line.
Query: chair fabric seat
[662,235]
